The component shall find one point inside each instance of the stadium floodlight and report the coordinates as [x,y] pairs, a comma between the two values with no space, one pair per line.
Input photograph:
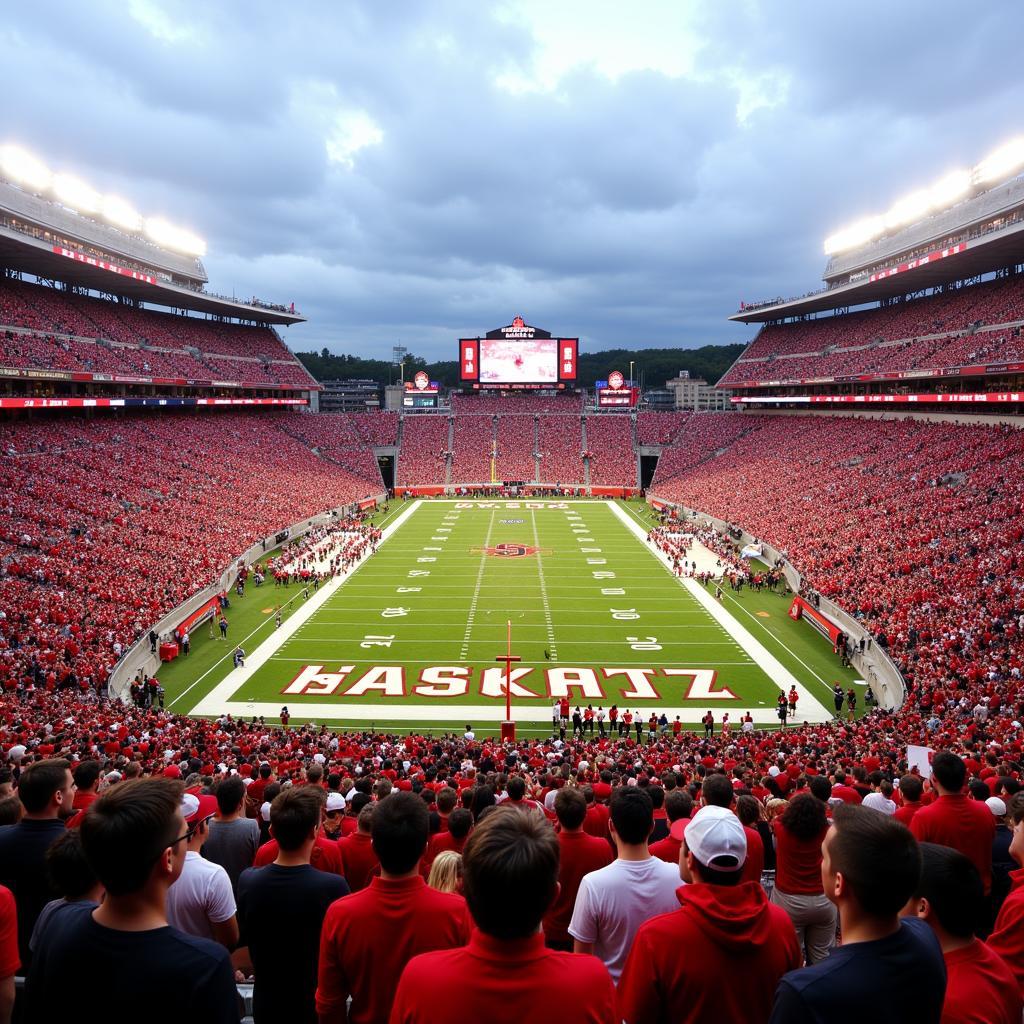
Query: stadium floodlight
[74,192]
[908,209]
[121,213]
[23,168]
[856,234]
[1003,162]
[163,233]
[946,191]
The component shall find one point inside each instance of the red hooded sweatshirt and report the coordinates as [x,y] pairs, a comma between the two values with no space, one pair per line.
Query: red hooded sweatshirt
[1007,938]
[718,958]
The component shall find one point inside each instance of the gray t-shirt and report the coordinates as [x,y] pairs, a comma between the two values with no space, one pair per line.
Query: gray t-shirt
[232,845]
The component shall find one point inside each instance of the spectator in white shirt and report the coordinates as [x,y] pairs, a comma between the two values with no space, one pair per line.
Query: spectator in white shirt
[201,902]
[613,902]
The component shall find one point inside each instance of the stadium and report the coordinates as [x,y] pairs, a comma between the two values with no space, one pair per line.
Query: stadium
[510,588]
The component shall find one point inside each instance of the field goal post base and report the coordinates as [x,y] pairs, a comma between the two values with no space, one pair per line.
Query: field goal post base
[508,732]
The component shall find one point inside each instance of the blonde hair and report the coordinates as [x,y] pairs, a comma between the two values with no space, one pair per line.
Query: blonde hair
[775,807]
[446,872]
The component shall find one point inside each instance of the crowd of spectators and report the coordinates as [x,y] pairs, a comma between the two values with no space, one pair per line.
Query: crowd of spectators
[472,449]
[613,461]
[517,402]
[517,443]
[83,334]
[936,331]
[108,523]
[659,427]
[915,527]
[423,456]
[560,443]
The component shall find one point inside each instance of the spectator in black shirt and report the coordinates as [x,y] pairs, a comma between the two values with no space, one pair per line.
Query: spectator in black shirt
[134,839]
[887,971]
[47,791]
[281,909]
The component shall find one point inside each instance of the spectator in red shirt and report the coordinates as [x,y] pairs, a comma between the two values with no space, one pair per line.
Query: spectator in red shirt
[459,824]
[979,984]
[954,820]
[1007,939]
[9,962]
[841,791]
[358,859]
[799,833]
[678,807]
[506,973]
[911,789]
[369,937]
[737,945]
[579,854]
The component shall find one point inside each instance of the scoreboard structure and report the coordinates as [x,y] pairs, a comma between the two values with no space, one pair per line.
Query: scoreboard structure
[518,357]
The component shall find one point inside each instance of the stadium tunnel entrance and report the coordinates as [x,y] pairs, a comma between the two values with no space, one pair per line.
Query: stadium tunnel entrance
[648,464]
[387,470]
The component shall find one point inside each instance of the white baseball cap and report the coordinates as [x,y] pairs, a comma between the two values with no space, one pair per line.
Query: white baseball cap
[335,802]
[997,806]
[715,832]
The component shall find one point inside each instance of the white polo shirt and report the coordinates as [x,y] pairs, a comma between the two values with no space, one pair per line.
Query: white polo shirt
[201,895]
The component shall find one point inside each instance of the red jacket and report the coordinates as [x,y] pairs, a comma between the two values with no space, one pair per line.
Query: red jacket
[325,856]
[718,958]
[1007,939]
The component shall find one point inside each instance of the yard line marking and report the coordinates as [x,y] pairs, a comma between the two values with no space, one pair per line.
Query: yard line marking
[476,591]
[544,590]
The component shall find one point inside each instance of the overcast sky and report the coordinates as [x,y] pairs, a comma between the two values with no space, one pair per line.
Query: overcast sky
[416,172]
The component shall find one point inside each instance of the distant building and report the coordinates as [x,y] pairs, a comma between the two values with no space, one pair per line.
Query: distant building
[660,400]
[350,396]
[696,395]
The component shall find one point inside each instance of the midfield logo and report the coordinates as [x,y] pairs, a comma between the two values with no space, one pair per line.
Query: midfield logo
[507,551]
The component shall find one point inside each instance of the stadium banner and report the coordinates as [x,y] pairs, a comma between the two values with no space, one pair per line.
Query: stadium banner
[13,371]
[801,609]
[469,359]
[613,492]
[921,759]
[964,398]
[568,358]
[138,403]
[367,503]
[932,257]
[92,261]
[199,616]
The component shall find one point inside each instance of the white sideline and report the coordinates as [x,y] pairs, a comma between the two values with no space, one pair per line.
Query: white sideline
[809,708]
[217,702]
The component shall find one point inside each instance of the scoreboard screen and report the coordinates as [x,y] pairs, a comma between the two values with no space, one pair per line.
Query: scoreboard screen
[534,361]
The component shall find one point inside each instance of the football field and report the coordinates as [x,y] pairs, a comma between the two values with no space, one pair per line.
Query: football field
[410,639]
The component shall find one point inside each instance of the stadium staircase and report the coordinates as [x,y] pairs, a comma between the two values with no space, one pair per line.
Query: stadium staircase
[398,447]
[536,450]
[450,448]
[586,448]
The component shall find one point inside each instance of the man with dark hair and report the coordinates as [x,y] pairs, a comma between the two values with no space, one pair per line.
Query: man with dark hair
[234,838]
[954,820]
[678,807]
[979,984]
[911,790]
[459,824]
[614,901]
[281,908]
[505,972]
[87,781]
[369,937]
[721,954]
[358,858]
[718,792]
[46,790]
[579,854]
[1007,938]
[870,867]
[134,839]
[73,878]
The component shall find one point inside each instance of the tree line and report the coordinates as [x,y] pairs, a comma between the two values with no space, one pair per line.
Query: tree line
[653,365]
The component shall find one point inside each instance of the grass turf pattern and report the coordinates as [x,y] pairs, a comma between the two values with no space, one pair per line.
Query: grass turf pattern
[410,639]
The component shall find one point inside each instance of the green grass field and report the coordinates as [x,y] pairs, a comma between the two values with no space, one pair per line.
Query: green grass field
[410,639]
